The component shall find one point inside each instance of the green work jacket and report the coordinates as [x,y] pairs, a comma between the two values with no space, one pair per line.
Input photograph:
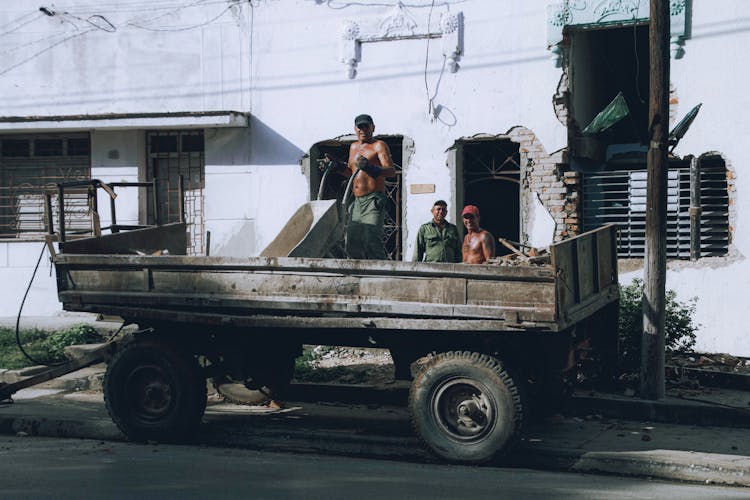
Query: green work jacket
[434,245]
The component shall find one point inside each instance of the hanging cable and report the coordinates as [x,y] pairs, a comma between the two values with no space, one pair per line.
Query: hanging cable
[430,99]
[20,309]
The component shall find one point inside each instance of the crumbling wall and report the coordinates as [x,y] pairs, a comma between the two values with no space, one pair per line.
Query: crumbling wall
[544,176]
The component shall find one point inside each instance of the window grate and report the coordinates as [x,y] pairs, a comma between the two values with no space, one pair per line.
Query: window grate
[618,197]
[31,165]
[171,155]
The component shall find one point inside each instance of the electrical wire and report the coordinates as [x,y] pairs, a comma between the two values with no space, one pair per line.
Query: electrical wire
[50,47]
[37,15]
[20,309]
[184,28]
[430,99]
[174,11]
[102,24]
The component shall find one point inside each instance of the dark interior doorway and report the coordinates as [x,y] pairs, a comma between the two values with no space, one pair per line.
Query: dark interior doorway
[335,185]
[491,179]
[604,62]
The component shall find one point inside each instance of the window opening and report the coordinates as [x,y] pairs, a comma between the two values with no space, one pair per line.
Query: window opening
[618,196]
[29,165]
[173,155]
[607,65]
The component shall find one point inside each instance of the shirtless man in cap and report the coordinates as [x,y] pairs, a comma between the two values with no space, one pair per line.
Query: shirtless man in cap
[479,245]
[372,159]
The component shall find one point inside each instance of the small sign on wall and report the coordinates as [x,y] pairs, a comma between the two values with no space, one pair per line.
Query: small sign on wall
[421,188]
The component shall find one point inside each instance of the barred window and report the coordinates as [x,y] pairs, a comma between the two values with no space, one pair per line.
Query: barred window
[175,154]
[619,197]
[31,164]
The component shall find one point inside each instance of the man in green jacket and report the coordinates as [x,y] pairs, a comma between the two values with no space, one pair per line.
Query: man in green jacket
[438,240]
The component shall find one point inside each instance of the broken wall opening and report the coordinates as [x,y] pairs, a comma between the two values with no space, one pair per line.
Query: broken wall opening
[491,175]
[617,195]
[602,63]
[529,177]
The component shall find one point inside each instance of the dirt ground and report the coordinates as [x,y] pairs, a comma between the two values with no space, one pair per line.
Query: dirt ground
[345,365]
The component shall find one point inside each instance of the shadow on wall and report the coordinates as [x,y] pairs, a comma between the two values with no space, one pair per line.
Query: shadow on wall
[267,147]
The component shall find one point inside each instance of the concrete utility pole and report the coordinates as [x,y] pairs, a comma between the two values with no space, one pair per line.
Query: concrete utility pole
[654,299]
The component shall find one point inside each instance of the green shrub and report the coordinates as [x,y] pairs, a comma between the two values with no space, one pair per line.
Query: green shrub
[43,346]
[679,326]
[11,356]
[58,340]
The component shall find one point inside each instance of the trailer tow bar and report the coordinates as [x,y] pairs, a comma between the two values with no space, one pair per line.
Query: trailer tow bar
[81,357]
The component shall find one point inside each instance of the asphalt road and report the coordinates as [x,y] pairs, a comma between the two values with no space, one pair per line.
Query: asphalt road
[35,467]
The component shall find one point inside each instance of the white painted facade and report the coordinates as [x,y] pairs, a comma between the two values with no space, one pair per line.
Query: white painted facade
[279,61]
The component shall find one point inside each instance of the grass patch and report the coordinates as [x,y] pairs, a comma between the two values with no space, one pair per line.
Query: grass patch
[43,345]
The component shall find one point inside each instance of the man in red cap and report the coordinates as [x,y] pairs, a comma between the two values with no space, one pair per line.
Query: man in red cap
[479,245]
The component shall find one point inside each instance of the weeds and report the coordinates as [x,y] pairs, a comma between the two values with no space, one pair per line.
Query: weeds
[42,345]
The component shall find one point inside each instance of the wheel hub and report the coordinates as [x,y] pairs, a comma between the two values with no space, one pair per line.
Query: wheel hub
[463,409]
[150,392]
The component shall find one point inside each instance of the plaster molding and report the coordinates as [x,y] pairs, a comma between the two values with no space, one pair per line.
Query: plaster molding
[399,24]
[599,13]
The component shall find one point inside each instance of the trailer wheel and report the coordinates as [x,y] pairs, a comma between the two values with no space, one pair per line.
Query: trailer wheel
[154,392]
[466,407]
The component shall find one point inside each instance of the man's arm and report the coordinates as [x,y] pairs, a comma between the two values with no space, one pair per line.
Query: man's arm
[386,162]
[419,249]
[334,165]
[488,245]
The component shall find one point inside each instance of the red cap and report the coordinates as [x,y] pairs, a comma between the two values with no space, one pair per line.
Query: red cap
[470,209]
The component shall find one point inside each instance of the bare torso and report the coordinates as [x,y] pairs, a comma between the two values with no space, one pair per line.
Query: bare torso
[478,247]
[377,153]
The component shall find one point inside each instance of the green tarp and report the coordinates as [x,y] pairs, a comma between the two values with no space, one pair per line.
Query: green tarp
[613,113]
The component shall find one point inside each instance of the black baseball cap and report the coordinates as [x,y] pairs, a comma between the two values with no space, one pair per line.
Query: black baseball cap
[362,119]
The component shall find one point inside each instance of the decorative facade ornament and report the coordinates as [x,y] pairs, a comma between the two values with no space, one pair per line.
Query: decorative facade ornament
[599,13]
[400,24]
[452,26]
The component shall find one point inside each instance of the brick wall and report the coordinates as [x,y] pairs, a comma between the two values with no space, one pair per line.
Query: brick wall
[558,190]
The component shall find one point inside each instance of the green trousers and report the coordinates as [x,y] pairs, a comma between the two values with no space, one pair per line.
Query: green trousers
[364,234]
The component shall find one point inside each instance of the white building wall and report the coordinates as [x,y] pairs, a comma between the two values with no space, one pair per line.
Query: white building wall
[279,60]
[715,71]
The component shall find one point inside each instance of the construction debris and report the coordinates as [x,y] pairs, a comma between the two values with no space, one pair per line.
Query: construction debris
[522,255]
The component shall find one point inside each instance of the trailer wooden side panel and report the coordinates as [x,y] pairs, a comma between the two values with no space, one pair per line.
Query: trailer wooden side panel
[586,272]
[579,281]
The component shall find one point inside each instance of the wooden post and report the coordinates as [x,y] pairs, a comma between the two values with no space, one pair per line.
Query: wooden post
[695,208]
[655,270]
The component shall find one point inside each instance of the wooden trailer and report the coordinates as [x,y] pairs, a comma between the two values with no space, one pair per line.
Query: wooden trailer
[496,335]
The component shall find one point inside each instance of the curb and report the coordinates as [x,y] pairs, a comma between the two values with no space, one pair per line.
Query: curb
[695,467]
[62,428]
[670,464]
[673,411]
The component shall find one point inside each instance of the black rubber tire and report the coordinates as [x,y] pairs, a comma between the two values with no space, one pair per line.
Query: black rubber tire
[466,407]
[155,392]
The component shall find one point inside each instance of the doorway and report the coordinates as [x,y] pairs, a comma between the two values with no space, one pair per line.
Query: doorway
[176,159]
[492,181]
